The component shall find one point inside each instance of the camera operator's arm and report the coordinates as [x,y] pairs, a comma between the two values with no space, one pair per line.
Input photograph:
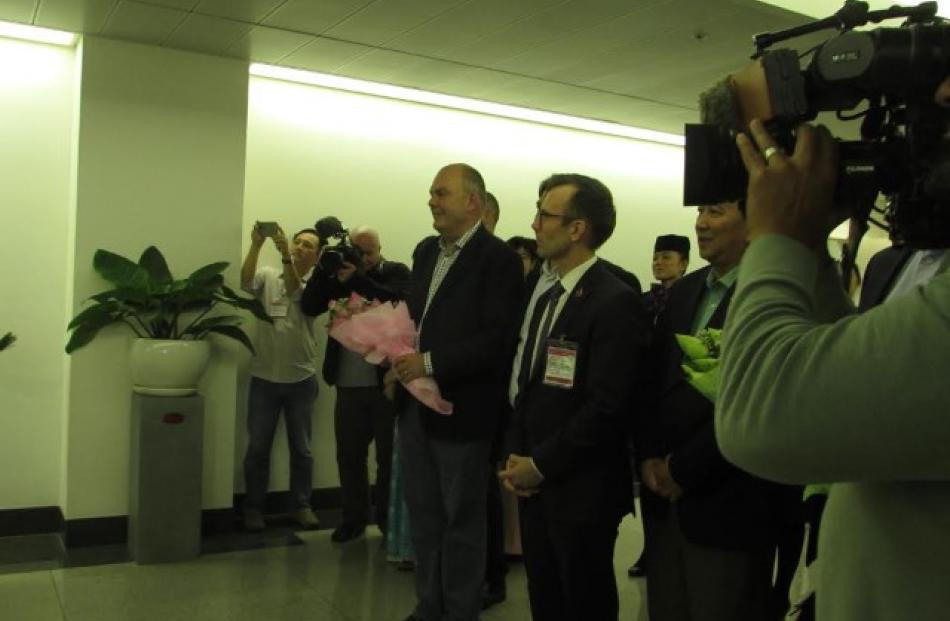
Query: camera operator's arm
[249,267]
[862,398]
[321,288]
[390,284]
[289,274]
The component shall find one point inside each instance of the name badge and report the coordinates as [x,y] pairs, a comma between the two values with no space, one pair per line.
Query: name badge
[560,364]
[278,308]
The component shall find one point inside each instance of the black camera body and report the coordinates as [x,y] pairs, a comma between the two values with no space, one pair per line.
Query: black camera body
[343,251]
[904,151]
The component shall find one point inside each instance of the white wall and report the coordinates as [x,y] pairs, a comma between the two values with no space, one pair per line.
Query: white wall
[314,152]
[160,161]
[36,106]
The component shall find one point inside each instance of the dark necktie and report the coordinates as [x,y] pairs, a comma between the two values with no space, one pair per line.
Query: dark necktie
[534,346]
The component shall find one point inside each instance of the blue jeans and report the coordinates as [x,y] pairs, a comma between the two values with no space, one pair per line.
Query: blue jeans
[265,402]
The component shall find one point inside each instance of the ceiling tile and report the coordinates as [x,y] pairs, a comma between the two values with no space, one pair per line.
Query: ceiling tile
[422,71]
[313,17]
[87,16]
[17,11]
[267,45]
[325,55]
[144,23]
[184,5]
[379,65]
[464,23]
[471,82]
[209,35]
[548,27]
[252,11]
[385,20]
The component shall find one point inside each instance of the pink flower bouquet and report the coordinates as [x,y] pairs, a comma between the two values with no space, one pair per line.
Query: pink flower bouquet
[380,332]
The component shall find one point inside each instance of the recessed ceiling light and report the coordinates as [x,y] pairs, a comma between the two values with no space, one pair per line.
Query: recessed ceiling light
[34,33]
[463,103]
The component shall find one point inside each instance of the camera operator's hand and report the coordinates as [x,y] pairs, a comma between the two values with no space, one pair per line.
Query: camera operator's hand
[280,241]
[346,272]
[791,195]
[257,239]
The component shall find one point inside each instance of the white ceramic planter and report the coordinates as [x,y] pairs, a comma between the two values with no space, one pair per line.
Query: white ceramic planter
[168,368]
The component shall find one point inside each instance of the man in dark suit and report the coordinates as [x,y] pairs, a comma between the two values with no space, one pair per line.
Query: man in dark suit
[881,274]
[711,526]
[361,414]
[670,261]
[584,341]
[464,299]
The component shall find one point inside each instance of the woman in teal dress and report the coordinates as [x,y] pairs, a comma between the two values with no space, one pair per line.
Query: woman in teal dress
[398,542]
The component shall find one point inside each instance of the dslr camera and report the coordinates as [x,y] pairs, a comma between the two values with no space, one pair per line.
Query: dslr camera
[889,75]
[342,251]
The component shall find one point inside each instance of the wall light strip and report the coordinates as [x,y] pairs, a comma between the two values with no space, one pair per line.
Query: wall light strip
[35,33]
[462,103]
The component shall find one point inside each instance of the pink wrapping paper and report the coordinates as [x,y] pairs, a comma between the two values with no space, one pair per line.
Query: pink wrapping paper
[384,332]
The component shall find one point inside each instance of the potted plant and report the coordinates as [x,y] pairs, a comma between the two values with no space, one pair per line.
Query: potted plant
[170,318]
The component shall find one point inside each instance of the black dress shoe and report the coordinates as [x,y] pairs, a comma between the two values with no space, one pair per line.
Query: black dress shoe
[493,594]
[347,532]
[636,570]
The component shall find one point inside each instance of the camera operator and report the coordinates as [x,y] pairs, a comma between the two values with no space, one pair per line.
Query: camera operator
[811,394]
[282,372]
[361,413]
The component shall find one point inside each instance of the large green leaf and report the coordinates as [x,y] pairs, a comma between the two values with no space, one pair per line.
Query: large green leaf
[208,271]
[204,290]
[125,295]
[7,340]
[207,323]
[235,333]
[119,270]
[95,314]
[154,263]
[86,331]
[252,305]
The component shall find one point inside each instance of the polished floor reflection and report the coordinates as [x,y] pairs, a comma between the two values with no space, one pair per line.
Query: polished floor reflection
[315,582]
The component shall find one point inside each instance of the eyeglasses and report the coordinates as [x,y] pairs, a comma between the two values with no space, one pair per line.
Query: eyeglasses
[541,214]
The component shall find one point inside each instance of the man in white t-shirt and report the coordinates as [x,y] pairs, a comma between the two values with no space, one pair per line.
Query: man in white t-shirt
[283,373]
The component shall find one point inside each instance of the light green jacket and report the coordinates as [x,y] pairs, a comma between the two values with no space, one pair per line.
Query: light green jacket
[862,402]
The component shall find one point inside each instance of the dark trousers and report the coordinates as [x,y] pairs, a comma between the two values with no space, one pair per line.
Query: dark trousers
[445,492]
[692,582]
[266,400]
[570,566]
[496,565]
[361,416]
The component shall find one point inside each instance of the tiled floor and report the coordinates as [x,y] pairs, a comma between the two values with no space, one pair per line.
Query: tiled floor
[314,582]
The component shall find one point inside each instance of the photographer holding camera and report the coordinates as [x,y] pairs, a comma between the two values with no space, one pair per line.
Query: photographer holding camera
[810,393]
[282,371]
[361,414]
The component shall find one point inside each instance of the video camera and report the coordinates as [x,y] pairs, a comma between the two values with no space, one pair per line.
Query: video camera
[904,151]
[344,251]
